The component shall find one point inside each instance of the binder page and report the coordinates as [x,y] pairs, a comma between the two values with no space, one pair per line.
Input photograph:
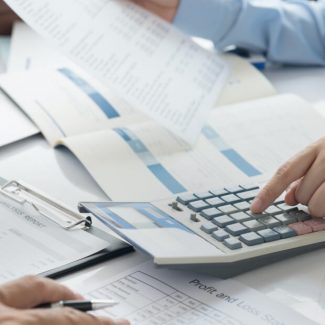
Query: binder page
[242,142]
[66,101]
[32,244]
[145,60]
[15,125]
[148,295]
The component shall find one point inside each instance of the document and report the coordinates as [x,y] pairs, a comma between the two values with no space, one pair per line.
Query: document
[151,296]
[145,60]
[32,244]
[30,52]
[14,124]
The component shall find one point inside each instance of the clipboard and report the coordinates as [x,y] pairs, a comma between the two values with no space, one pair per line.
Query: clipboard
[68,220]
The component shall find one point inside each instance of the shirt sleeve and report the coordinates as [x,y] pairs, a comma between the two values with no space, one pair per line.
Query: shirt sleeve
[286,31]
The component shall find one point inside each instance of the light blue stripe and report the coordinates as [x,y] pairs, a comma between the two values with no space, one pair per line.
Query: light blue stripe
[240,162]
[91,92]
[231,154]
[166,178]
[150,161]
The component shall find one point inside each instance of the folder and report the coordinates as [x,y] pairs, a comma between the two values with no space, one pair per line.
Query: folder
[23,195]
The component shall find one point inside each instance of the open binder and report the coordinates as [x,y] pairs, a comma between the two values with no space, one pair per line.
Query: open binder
[67,219]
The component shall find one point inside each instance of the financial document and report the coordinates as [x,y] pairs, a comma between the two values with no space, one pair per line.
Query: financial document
[147,295]
[148,62]
[14,124]
[32,244]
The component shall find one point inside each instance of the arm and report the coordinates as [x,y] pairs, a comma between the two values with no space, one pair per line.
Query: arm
[291,31]
[16,299]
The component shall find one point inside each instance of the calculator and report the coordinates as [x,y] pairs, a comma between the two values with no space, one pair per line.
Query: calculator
[213,231]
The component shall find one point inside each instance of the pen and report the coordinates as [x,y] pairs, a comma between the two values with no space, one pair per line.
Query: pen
[82,305]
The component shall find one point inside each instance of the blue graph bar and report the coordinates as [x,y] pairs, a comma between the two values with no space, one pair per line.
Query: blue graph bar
[91,92]
[157,169]
[231,154]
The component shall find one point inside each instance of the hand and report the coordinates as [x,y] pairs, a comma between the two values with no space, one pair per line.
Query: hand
[303,177]
[17,297]
[165,9]
[7,18]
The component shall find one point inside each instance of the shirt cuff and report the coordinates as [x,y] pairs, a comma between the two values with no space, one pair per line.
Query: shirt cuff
[211,19]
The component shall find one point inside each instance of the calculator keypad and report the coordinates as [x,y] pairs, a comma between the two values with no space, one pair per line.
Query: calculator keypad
[228,218]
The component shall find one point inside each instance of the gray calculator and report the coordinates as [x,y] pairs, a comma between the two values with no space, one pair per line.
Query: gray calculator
[213,231]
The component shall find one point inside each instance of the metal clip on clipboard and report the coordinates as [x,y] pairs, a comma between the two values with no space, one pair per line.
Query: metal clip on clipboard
[43,205]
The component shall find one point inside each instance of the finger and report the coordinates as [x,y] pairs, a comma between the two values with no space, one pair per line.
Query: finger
[68,316]
[290,197]
[312,180]
[292,170]
[31,291]
[316,204]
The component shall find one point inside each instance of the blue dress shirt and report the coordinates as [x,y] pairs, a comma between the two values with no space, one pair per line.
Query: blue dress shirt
[287,31]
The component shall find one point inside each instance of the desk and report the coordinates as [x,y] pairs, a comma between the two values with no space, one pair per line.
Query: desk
[60,174]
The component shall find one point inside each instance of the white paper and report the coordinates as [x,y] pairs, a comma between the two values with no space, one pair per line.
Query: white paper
[149,63]
[31,244]
[244,142]
[147,295]
[14,124]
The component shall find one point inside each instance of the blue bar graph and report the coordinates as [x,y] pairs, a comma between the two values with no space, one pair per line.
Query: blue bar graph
[231,154]
[156,168]
[90,91]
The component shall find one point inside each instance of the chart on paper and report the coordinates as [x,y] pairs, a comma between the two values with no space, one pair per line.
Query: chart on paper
[152,296]
[147,300]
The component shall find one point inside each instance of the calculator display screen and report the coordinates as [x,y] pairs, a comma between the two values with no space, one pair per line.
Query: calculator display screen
[135,216]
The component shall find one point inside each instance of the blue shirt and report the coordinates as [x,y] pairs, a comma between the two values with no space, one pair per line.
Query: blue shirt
[287,31]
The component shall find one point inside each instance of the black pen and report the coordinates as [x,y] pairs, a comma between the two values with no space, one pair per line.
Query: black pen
[81,305]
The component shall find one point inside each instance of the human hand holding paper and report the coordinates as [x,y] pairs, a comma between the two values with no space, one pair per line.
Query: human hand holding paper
[165,9]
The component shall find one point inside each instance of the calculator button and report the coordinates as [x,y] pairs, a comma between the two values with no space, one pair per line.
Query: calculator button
[273,210]
[215,202]
[241,216]
[285,232]
[232,243]
[198,206]
[211,213]
[316,224]
[301,228]
[219,192]
[248,195]
[186,198]
[209,228]
[254,225]
[204,195]
[227,209]
[270,222]
[220,235]
[235,189]
[242,205]
[230,198]
[286,219]
[301,216]
[251,239]
[248,187]
[269,235]
[286,208]
[236,229]
[223,221]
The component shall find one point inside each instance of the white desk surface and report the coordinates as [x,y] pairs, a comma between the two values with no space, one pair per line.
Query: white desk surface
[299,281]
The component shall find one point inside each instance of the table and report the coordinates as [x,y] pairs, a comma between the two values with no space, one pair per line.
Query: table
[60,174]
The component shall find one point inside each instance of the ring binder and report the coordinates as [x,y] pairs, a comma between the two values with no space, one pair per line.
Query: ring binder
[64,217]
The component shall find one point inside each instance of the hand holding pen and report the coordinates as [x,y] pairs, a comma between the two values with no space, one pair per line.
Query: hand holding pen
[18,300]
